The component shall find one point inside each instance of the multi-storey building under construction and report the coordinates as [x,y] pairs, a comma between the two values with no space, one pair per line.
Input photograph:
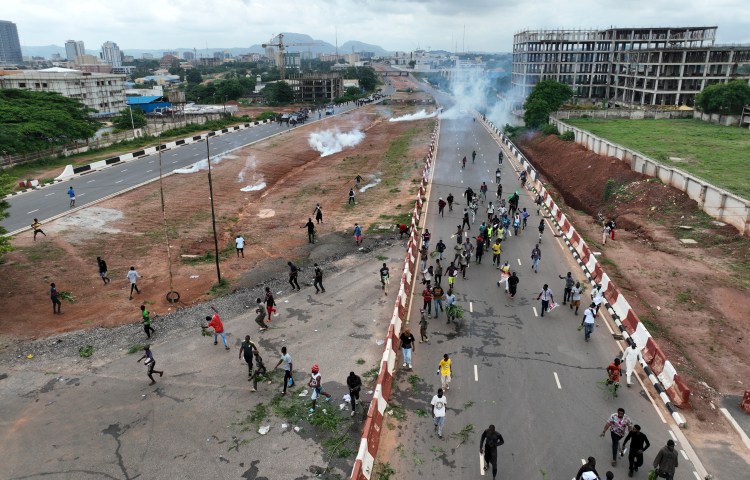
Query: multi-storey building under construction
[628,66]
[316,87]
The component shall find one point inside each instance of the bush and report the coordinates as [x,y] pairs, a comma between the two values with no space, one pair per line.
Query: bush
[549,129]
[265,116]
[568,136]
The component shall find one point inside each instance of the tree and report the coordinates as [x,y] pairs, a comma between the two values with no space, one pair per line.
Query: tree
[352,92]
[4,205]
[547,97]
[122,121]
[278,92]
[193,76]
[724,98]
[32,121]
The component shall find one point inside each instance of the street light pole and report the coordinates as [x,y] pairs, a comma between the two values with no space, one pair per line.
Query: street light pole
[132,123]
[213,214]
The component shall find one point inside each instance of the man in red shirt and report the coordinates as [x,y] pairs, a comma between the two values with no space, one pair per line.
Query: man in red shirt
[215,323]
[614,372]
[402,229]
[427,297]
[441,206]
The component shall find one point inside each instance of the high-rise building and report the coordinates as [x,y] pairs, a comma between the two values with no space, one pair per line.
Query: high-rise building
[111,54]
[10,46]
[188,55]
[627,66]
[74,49]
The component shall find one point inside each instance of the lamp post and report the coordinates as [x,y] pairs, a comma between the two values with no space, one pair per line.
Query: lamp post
[132,123]
[213,214]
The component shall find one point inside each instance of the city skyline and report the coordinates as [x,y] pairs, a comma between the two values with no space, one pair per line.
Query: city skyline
[394,25]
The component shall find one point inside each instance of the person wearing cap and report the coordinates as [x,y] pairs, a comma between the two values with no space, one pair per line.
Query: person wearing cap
[665,462]
[315,383]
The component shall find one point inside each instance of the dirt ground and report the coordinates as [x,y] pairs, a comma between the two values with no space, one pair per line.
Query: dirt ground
[129,229]
[692,298]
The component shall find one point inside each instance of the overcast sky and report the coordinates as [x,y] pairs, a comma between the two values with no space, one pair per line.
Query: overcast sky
[392,24]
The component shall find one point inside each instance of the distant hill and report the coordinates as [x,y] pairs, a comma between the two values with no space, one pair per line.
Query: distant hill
[319,46]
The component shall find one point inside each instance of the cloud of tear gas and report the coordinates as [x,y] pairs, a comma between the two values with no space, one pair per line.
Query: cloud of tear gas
[203,164]
[328,142]
[471,88]
[420,115]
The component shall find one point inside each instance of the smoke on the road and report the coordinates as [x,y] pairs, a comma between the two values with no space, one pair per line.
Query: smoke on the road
[472,91]
[420,115]
[328,142]
[254,188]
[203,164]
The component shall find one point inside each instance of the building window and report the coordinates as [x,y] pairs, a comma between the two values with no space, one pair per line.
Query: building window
[22,85]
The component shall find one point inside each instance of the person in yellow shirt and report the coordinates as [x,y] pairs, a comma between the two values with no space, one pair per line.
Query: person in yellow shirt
[445,370]
[496,251]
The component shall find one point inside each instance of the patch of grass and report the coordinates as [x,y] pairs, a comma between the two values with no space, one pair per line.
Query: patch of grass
[382,258]
[138,347]
[42,251]
[86,352]
[207,257]
[398,412]
[713,152]
[401,451]
[464,434]
[383,471]
[290,408]
[338,446]
[220,288]
[360,361]
[416,458]
[372,373]
[414,381]
[437,450]
[468,404]
[684,296]
[422,413]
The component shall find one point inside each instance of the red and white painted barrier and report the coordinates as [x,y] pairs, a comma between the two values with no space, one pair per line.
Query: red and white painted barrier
[368,446]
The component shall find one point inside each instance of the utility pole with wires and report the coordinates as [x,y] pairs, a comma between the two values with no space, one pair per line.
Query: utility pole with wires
[172,295]
[213,213]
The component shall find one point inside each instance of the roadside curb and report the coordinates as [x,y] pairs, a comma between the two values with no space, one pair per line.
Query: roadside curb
[672,390]
[368,447]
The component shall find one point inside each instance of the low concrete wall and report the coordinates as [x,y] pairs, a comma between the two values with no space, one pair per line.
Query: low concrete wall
[720,204]
[726,120]
[624,113]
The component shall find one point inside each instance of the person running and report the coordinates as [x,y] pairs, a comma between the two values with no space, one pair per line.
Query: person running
[631,356]
[546,297]
[351,197]
[589,319]
[55,297]
[239,243]
[286,359]
[441,206]
[516,223]
[103,270]
[479,249]
[440,248]
[354,382]
[463,162]
[146,319]
[150,364]
[490,211]
[638,444]
[260,314]
[483,192]
[524,219]
[72,196]
[666,461]
[504,275]
[270,303]
[439,403]
[488,444]
[473,155]
[614,372]
[499,193]
[318,282]
[310,230]
[318,212]
[260,369]
[465,220]
[438,272]
[423,326]
[575,297]
[316,384]
[293,273]
[215,323]
[437,297]
[588,470]
[541,229]
[357,234]
[597,296]
[246,353]
[37,227]
[497,249]
[536,257]
[385,277]
[498,175]
[449,198]
[568,290]
[427,298]
[451,271]
[619,425]
[426,236]
[523,179]
[133,278]
[463,263]
[407,346]
[513,284]
[445,369]
[450,301]
[500,157]
[538,201]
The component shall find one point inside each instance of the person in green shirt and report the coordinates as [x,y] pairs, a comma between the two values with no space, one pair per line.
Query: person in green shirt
[146,319]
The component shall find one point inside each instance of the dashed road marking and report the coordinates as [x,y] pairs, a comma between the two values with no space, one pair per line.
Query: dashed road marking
[535,314]
[29,213]
[476,374]
[519,261]
[672,435]
[149,171]
[557,381]
[471,307]
[684,455]
[91,181]
[49,194]
[119,181]
[121,171]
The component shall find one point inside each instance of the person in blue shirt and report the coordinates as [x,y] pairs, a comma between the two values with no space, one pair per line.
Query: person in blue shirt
[357,233]
[72,195]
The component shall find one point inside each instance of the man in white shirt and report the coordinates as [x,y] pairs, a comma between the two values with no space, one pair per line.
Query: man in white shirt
[589,319]
[438,411]
[239,242]
[133,278]
[631,356]
[546,297]
[597,296]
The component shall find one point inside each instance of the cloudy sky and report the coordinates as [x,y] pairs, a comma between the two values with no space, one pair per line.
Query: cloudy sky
[392,24]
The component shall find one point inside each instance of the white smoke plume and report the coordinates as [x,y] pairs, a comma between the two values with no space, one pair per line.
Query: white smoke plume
[332,141]
[470,89]
[203,164]
[422,114]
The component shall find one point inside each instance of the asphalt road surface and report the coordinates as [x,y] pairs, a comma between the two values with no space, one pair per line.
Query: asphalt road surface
[51,201]
[534,378]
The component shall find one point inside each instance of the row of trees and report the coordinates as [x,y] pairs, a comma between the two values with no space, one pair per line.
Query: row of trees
[724,98]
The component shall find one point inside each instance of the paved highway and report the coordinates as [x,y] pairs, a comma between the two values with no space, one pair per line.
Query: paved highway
[534,378]
[52,201]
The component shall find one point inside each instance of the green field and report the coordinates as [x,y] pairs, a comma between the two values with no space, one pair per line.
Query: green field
[720,155]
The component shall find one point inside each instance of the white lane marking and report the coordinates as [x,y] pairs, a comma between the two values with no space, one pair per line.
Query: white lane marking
[481,465]
[684,455]
[29,213]
[672,435]
[519,261]
[91,181]
[118,181]
[534,308]
[557,380]
[736,426]
[81,194]
[152,161]
[611,332]
[471,307]
[175,161]
[49,194]
[149,171]
[696,475]
[476,374]
[121,171]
